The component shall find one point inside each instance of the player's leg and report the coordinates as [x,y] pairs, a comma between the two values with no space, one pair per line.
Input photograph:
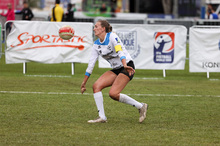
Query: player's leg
[104,81]
[115,93]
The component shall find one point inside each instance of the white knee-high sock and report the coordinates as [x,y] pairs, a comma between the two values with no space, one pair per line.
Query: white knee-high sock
[128,100]
[99,103]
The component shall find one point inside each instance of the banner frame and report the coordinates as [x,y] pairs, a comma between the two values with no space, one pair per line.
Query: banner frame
[24,64]
[202,26]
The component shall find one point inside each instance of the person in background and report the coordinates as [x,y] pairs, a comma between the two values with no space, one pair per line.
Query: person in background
[26,12]
[57,12]
[103,9]
[10,15]
[211,13]
[69,16]
[112,10]
[74,7]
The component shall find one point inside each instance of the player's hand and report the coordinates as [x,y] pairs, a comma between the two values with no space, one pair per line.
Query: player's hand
[83,88]
[130,70]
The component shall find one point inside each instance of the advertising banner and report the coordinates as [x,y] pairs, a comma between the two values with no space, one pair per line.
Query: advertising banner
[153,46]
[204,49]
[40,42]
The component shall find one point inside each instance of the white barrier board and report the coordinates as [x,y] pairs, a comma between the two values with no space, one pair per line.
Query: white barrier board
[39,41]
[204,49]
[153,46]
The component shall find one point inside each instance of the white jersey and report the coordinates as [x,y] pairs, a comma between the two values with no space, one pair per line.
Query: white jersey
[111,49]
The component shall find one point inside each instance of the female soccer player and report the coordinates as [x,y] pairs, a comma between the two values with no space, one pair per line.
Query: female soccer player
[109,46]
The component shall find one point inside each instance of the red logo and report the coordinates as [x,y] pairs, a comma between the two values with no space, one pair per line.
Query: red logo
[51,40]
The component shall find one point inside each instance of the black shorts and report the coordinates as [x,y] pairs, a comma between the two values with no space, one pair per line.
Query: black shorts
[122,70]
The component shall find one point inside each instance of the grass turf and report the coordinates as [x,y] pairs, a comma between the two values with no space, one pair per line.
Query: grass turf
[47,110]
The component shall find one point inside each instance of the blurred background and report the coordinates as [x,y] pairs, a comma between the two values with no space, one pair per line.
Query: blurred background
[177,12]
[168,9]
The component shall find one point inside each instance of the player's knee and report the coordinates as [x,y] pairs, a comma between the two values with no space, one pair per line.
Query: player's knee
[96,87]
[114,95]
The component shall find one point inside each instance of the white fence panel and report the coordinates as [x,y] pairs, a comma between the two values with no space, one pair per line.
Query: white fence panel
[204,49]
[39,41]
[153,46]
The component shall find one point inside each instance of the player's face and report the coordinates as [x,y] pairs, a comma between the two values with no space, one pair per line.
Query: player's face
[98,29]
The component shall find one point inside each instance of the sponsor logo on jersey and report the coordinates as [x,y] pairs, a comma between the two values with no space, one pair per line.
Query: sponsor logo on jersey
[117,40]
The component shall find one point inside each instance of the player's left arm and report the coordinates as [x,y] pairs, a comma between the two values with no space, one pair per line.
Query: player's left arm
[119,50]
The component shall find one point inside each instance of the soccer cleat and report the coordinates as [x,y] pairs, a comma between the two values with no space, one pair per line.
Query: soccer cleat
[98,120]
[143,112]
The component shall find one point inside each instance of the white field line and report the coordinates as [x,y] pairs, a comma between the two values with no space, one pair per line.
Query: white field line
[49,76]
[144,78]
[60,76]
[214,79]
[136,78]
[65,93]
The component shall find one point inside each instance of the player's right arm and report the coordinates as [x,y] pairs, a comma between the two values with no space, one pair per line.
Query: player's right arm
[92,61]
[83,85]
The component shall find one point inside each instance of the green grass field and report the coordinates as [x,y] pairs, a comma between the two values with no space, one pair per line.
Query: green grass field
[45,107]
